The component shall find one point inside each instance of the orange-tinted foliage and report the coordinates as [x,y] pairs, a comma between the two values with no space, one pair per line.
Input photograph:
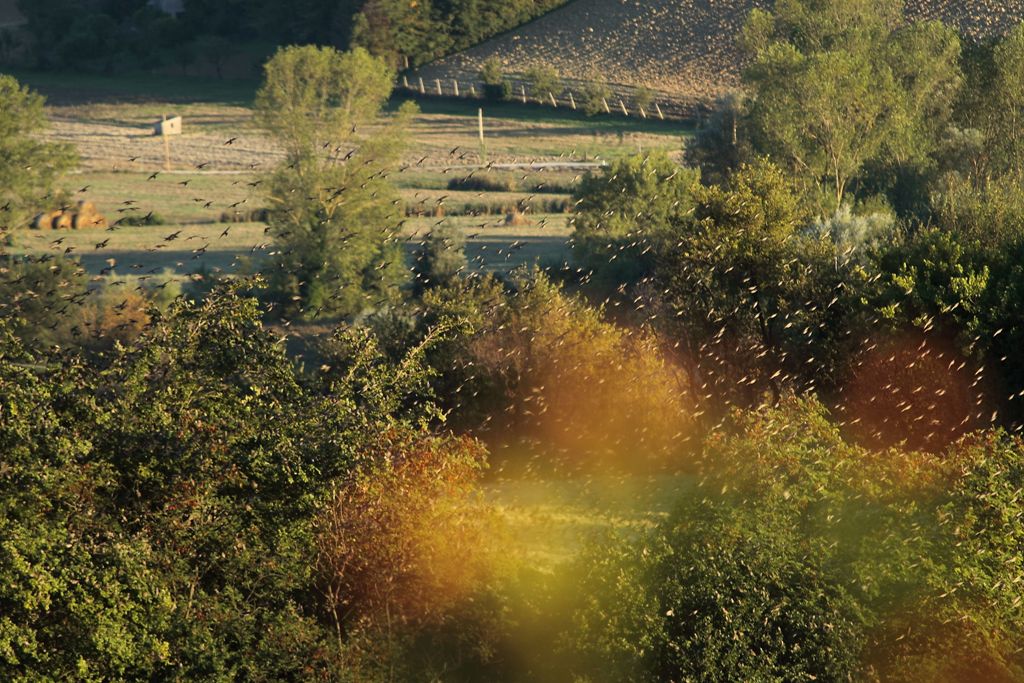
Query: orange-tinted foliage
[405,541]
[913,389]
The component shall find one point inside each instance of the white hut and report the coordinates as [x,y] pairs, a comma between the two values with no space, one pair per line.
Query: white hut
[171,126]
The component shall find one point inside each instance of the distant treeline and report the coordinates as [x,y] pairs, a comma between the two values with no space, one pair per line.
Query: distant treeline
[116,35]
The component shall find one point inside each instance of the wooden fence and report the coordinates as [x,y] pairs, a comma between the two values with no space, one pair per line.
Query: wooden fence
[616,104]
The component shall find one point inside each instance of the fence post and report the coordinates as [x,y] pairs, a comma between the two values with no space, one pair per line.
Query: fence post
[472,89]
[405,82]
[437,82]
[423,89]
[572,101]
[607,109]
[622,104]
[483,146]
[642,112]
[456,84]
[553,102]
[660,115]
[522,90]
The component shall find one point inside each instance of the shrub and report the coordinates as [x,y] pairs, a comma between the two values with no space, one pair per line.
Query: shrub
[595,93]
[150,218]
[496,87]
[541,367]
[543,81]
[442,257]
[407,554]
[801,557]
[485,182]
[643,98]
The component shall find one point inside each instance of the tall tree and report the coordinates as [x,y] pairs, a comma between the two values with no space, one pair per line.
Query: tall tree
[334,213]
[29,167]
[838,84]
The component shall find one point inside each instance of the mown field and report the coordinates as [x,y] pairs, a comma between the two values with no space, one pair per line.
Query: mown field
[206,189]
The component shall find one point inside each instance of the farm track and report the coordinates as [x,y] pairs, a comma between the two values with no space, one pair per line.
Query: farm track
[684,50]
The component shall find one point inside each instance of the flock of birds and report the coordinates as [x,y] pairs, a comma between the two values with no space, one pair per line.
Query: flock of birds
[926,401]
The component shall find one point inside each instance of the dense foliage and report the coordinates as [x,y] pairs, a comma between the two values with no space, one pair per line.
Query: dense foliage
[813,338]
[161,512]
[805,557]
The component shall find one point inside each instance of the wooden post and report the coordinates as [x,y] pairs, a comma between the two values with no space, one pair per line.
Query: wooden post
[405,82]
[483,146]
[622,104]
[660,115]
[607,110]
[553,102]
[642,112]
[423,89]
[522,90]
[572,101]
[455,83]
[437,82]
[167,144]
[472,89]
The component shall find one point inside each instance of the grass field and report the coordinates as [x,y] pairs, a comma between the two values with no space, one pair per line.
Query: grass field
[109,120]
[491,246]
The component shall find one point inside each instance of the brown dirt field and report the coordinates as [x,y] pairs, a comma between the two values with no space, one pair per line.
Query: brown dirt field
[682,49]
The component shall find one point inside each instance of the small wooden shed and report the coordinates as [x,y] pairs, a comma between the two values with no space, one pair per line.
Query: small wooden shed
[168,126]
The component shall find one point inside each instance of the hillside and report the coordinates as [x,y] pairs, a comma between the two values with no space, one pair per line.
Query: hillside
[683,48]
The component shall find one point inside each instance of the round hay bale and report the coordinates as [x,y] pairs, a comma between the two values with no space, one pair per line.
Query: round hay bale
[87,207]
[42,220]
[62,220]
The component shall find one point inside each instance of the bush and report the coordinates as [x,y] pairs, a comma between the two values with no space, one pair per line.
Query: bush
[485,182]
[541,367]
[405,540]
[497,88]
[543,81]
[800,557]
[442,258]
[595,93]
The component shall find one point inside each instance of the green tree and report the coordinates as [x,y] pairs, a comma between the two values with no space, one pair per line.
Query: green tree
[751,294]
[333,209]
[595,94]
[622,211]
[543,81]
[837,84]
[991,105]
[442,257]
[29,167]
